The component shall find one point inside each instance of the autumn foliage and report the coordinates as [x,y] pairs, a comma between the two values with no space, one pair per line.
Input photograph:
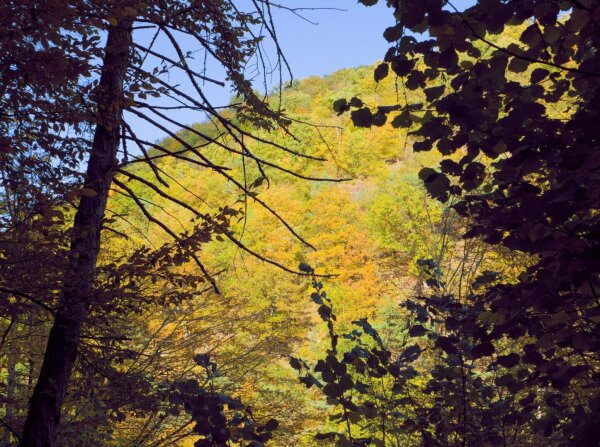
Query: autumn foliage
[403,254]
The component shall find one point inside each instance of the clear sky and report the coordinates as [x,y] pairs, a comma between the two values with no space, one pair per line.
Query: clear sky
[347,36]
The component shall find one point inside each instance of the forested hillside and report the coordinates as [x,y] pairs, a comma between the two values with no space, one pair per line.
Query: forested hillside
[402,254]
[370,221]
[368,227]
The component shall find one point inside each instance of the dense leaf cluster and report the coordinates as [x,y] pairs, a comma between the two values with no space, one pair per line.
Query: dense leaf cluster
[517,122]
[219,419]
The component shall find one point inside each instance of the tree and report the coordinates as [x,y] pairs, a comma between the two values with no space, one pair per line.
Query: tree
[65,103]
[522,111]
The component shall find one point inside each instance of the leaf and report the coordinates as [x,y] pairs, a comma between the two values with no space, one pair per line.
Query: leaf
[402,121]
[484,349]
[379,119]
[472,175]
[582,342]
[202,360]
[508,361]
[447,344]
[417,330]
[426,174]
[362,117]
[505,380]
[402,66]
[415,80]
[271,425]
[545,341]
[356,102]
[491,317]
[316,298]
[436,184]
[448,58]
[433,93]
[451,167]
[128,11]
[325,312]
[309,381]
[329,436]
[256,183]
[518,65]
[305,268]
[340,106]
[381,71]
[411,353]
[295,363]
[393,33]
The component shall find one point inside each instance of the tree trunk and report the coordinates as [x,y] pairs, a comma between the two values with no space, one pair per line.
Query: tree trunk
[63,341]
[11,384]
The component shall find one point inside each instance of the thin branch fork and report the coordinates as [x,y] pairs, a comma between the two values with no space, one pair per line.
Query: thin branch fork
[229,124]
[166,153]
[246,152]
[228,177]
[225,122]
[174,154]
[143,149]
[186,68]
[225,232]
[151,218]
[29,298]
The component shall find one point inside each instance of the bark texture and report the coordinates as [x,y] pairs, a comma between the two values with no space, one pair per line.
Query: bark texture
[63,341]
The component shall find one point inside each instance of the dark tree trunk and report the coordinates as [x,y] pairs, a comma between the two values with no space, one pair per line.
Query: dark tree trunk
[11,384]
[61,351]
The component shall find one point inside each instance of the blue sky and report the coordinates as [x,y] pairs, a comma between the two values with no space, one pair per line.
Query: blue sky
[339,39]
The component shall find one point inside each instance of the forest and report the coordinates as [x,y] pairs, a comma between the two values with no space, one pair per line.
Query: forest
[402,254]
